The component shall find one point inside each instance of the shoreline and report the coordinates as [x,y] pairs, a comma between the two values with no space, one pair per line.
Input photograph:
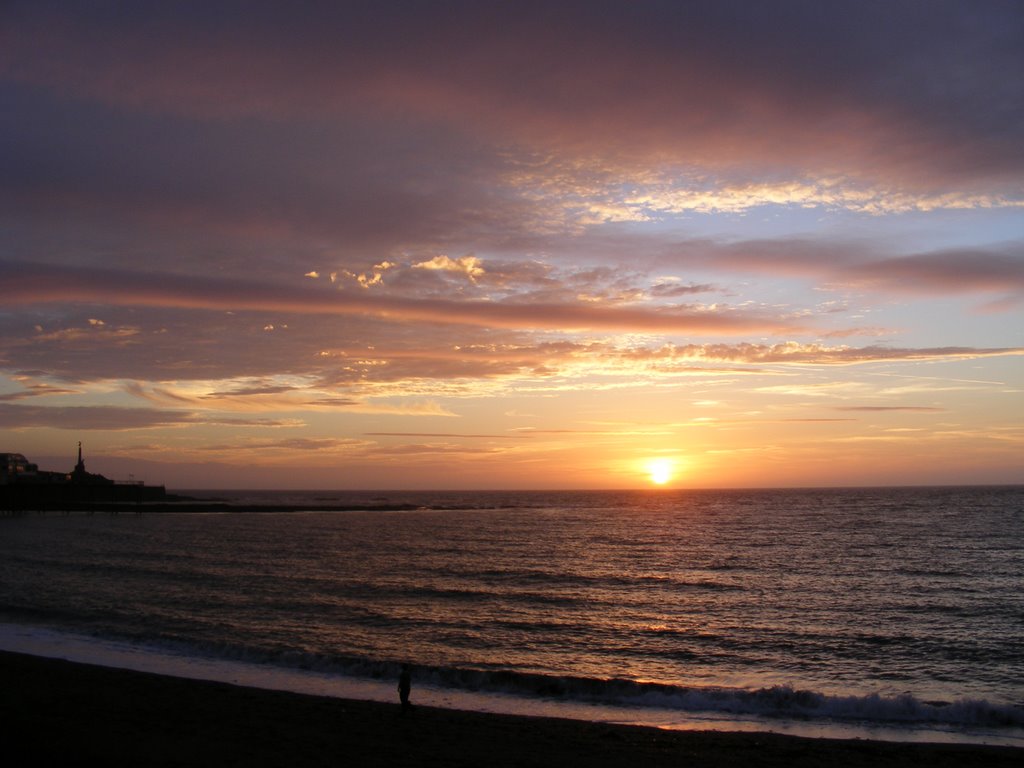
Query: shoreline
[69,713]
[201,507]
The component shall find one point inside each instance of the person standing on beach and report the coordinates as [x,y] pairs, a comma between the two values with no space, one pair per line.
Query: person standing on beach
[404,688]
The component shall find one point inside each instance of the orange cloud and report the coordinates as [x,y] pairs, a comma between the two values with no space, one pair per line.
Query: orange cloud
[28,285]
[114,418]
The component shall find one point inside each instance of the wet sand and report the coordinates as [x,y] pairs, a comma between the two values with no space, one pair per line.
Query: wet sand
[60,713]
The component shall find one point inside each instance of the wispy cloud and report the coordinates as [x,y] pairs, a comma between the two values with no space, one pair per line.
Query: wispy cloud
[444,435]
[115,418]
[943,273]
[285,446]
[888,408]
[29,284]
[811,354]
[38,389]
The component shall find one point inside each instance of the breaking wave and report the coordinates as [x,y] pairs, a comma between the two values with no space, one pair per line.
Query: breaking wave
[781,701]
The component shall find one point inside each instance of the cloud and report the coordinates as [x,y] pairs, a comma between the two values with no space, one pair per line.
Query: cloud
[872,91]
[467,265]
[26,284]
[222,362]
[672,287]
[443,434]
[814,421]
[887,408]
[289,445]
[256,390]
[114,418]
[38,389]
[793,353]
[863,264]
[527,431]
[418,449]
[943,272]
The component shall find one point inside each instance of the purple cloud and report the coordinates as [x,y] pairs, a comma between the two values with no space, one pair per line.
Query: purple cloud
[25,284]
[876,85]
[113,418]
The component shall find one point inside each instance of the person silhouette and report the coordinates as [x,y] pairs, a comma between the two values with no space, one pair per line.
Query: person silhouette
[404,688]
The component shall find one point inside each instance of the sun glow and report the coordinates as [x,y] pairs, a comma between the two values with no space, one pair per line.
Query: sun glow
[660,471]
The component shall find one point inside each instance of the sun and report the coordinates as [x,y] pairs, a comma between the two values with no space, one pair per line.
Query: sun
[660,471]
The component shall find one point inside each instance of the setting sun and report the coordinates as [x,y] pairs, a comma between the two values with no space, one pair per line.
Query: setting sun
[660,470]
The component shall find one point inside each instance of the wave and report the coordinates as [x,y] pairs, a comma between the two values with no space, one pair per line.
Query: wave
[782,701]
[776,702]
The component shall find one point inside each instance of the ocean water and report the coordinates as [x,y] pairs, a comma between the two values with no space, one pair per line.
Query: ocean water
[892,613]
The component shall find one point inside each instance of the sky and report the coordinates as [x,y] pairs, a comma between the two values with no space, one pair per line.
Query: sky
[463,245]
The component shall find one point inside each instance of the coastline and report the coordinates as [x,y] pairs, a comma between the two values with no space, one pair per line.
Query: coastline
[198,506]
[68,713]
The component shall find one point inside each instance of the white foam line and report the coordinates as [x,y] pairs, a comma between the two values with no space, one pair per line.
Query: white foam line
[48,643]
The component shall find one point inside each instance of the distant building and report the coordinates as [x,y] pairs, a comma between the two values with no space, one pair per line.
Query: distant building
[24,486]
[15,467]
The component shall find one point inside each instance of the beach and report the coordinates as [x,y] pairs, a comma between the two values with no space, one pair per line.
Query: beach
[61,713]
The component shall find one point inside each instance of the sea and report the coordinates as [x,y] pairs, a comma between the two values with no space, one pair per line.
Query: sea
[884,613]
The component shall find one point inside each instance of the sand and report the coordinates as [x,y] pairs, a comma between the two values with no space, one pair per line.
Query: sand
[60,713]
